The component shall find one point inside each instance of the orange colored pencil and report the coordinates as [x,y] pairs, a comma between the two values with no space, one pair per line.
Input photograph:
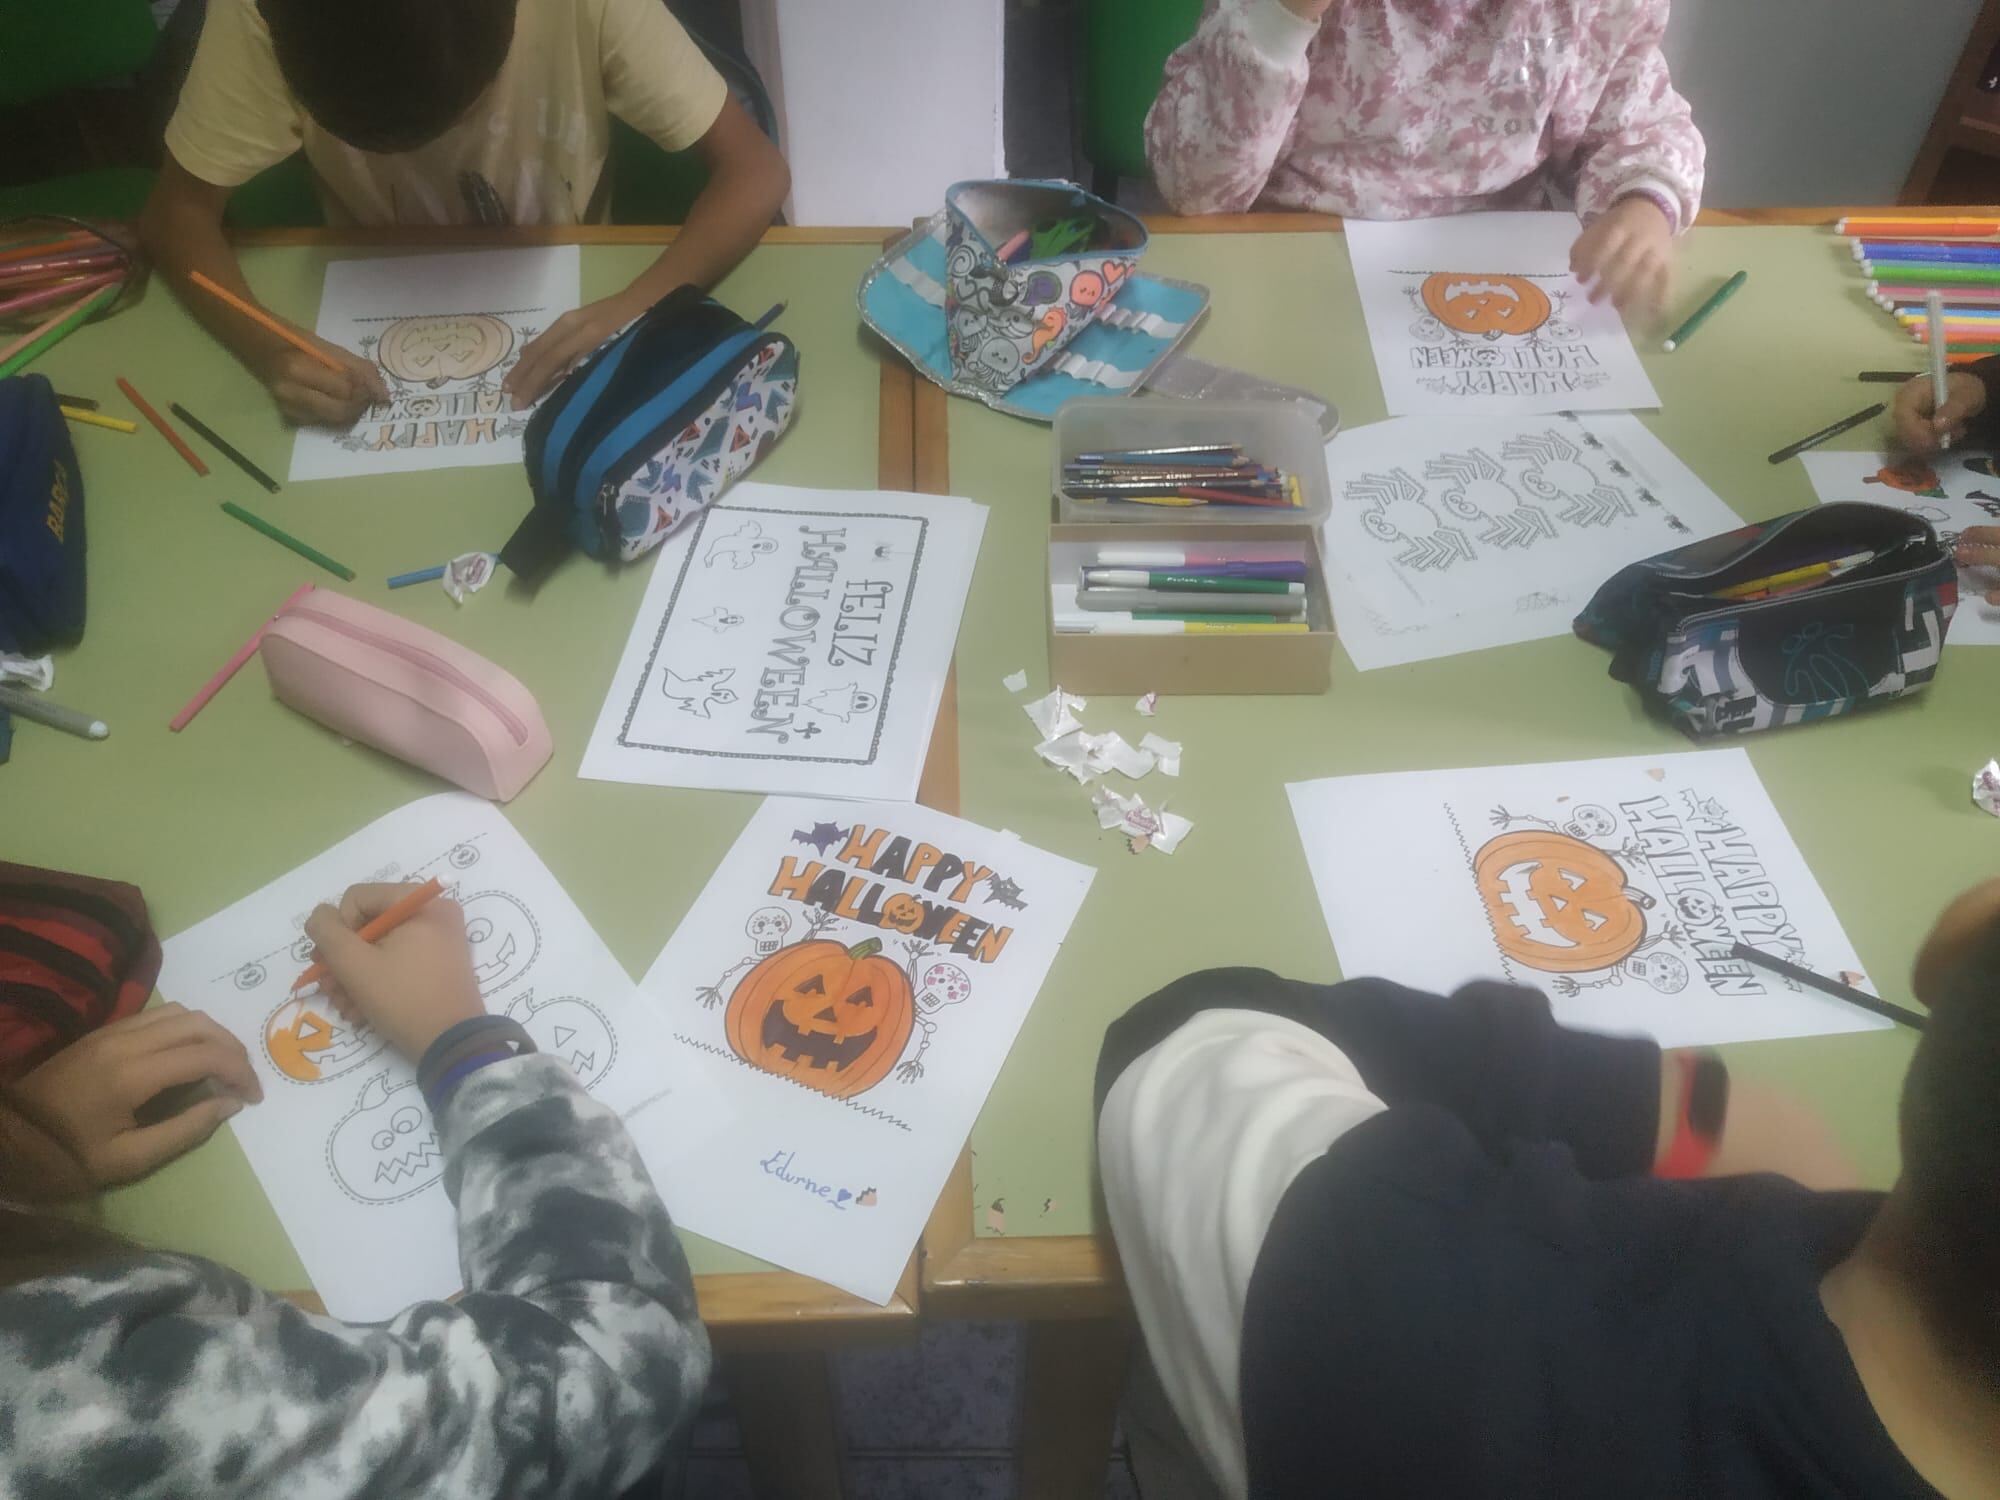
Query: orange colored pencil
[160,423]
[380,926]
[264,320]
[51,247]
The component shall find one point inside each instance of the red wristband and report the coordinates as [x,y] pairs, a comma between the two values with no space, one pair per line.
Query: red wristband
[1693,1146]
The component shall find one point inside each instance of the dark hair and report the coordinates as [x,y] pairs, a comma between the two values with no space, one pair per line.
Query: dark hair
[1951,1165]
[35,1168]
[389,75]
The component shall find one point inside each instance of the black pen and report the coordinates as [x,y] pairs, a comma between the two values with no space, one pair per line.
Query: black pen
[1843,425]
[1910,1018]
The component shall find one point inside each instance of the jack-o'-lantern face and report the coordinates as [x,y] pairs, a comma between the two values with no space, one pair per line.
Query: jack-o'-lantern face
[822,1014]
[1486,305]
[309,1041]
[570,1028]
[436,350]
[384,1149]
[1557,904]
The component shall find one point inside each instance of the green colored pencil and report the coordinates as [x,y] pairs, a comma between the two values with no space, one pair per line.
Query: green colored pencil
[286,539]
[1728,290]
[61,331]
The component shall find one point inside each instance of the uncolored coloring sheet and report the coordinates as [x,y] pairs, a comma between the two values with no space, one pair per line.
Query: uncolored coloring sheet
[343,1142]
[1950,490]
[444,330]
[1483,531]
[1480,313]
[1617,887]
[840,999]
[792,640]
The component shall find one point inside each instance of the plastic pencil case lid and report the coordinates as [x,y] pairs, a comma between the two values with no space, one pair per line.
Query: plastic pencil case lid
[409,692]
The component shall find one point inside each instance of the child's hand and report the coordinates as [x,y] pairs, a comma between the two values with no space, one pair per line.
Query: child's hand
[1960,930]
[552,354]
[87,1096]
[412,986]
[310,395]
[1979,547]
[1627,255]
[1922,425]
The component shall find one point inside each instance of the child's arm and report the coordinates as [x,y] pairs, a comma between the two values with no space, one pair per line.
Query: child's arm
[1227,101]
[182,230]
[1638,166]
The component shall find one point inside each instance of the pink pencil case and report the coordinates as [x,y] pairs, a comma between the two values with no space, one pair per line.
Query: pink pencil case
[410,692]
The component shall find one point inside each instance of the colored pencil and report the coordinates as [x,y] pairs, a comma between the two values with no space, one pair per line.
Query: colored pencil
[1142,455]
[75,263]
[286,539]
[55,293]
[97,419]
[265,321]
[160,425]
[22,251]
[1915,1020]
[1934,308]
[1865,225]
[1887,377]
[81,403]
[234,665]
[1727,290]
[1813,440]
[421,575]
[1801,574]
[380,926]
[208,434]
[34,706]
[25,350]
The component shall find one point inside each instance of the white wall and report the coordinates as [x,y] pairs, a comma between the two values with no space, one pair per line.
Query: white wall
[882,104]
[1813,101]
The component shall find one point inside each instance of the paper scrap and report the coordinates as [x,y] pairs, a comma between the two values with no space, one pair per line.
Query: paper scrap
[468,574]
[996,1216]
[37,672]
[1148,705]
[1016,682]
[1069,753]
[1167,752]
[1083,754]
[1055,714]
[1144,827]
[1986,787]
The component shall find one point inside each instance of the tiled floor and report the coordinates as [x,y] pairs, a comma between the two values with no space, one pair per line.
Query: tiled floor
[933,1420]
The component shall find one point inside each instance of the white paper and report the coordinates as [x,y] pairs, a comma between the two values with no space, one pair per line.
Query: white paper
[371,1223]
[792,640]
[444,330]
[838,1186]
[1616,886]
[1484,531]
[1951,490]
[1480,313]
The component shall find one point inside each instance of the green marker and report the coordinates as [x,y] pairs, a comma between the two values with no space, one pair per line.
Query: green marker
[286,539]
[1200,583]
[1681,334]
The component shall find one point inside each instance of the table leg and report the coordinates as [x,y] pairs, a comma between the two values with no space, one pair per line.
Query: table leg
[1074,1374]
[784,1405]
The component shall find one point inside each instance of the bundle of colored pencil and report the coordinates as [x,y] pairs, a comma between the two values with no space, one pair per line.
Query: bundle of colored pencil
[53,283]
[1188,475]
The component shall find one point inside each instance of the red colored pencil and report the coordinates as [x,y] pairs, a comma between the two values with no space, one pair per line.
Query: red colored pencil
[160,423]
[40,295]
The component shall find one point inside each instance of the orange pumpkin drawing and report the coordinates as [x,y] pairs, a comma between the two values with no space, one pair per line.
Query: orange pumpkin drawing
[1912,476]
[1556,903]
[436,350]
[820,1013]
[1488,305]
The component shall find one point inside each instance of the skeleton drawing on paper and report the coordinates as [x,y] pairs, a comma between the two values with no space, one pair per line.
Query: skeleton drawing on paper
[830,1004]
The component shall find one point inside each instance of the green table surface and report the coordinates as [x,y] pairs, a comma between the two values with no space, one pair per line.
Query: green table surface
[1878,803]
[249,790]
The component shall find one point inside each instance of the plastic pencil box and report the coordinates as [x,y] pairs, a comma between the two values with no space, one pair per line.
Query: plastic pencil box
[409,692]
[1859,601]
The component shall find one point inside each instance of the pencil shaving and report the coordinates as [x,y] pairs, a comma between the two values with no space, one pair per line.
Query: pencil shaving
[1986,788]
[1055,714]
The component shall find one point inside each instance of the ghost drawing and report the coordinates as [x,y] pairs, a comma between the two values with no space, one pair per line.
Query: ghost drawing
[741,547]
[385,1149]
[843,703]
[570,1028]
[698,694]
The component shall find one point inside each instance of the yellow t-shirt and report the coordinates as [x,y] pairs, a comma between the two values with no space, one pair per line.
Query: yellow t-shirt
[532,148]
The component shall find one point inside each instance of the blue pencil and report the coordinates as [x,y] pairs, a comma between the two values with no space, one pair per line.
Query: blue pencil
[422,575]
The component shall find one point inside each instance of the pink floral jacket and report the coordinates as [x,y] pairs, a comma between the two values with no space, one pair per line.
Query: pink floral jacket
[1403,109]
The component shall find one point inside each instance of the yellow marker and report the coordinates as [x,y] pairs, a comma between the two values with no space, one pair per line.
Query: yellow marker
[1202,627]
[97,419]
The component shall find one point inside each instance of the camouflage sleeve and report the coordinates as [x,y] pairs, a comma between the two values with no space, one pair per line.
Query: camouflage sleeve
[571,1363]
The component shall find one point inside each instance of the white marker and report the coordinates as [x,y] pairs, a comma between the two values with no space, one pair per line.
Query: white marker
[1940,387]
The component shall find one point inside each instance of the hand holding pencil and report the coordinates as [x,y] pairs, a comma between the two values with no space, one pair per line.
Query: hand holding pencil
[315,383]
[412,983]
[1922,426]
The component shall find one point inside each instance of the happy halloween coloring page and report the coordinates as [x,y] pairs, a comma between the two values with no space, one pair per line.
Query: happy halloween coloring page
[1480,313]
[442,331]
[838,1002]
[1616,887]
[1485,531]
[792,640]
[343,1142]
[1950,490]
